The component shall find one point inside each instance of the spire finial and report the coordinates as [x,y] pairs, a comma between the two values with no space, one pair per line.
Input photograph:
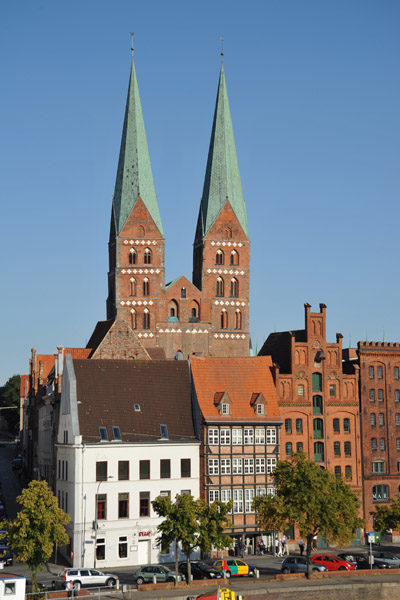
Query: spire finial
[132,33]
[222,49]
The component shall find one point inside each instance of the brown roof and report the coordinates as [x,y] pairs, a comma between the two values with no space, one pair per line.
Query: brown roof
[78,352]
[98,334]
[156,353]
[240,378]
[108,390]
[278,345]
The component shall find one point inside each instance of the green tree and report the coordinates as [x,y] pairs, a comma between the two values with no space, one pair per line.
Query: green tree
[37,527]
[315,499]
[10,396]
[387,516]
[192,523]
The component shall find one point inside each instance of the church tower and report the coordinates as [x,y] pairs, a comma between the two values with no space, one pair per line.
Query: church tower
[136,278]
[221,253]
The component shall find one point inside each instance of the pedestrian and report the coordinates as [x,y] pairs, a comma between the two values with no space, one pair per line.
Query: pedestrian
[315,542]
[259,547]
[280,548]
[285,547]
[241,547]
[276,546]
[301,546]
[69,586]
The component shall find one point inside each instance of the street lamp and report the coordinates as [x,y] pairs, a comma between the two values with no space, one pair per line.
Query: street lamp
[95,524]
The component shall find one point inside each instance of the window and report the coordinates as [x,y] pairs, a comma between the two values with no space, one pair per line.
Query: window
[382,443]
[132,286]
[380,395]
[183,293]
[380,492]
[144,469]
[288,449]
[378,466]
[123,469]
[101,506]
[346,425]
[237,437]
[146,319]
[249,436]
[123,506]
[260,466]
[397,418]
[219,257]
[299,447]
[238,501]
[259,409]
[133,319]
[164,432]
[146,287]
[338,471]
[224,319]
[225,466]
[248,495]
[144,504]
[147,256]
[374,445]
[248,466]
[213,437]
[226,495]
[319,452]
[336,426]
[372,419]
[234,258]
[132,256]
[271,464]
[347,448]
[396,395]
[220,287]
[317,405]
[165,493]
[123,546]
[379,371]
[117,433]
[260,436]
[288,425]
[238,319]
[299,425]
[165,468]
[372,395]
[336,448]
[9,588]
[101,471]
[381,419]
[398,444]
[185,467]
[318,428]
[234,287]
[332,390]
[101,549]
[300,390]
[347,472]
[260,492]
[396,372]
[271,436]
[225,437]
[237,466]
[371,372]
[213,495]
[213,466]
[103,434]
[225,409]
[316,382]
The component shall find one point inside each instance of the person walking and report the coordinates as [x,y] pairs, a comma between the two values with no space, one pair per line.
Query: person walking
[285,547]
[280,548]
[301,546]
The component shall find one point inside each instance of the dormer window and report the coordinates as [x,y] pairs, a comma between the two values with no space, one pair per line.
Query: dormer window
[225,409]
[222,402]
[117,433]
[260,409]
[258,402]
[103,434]
[164,432]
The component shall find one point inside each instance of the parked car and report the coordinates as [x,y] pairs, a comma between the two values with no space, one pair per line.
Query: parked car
[333,563]
[298,564]
[388,557]
[6,556]
[234,566]
[199,570]
[86,578]
[162,573]
[360,561]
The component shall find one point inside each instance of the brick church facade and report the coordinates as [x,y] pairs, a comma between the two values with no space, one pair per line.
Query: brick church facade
[147,317]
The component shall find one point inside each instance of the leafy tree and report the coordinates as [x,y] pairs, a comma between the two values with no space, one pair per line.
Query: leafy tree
[315,499]
[387,516]
[192,523]
[37,527]
[10,396]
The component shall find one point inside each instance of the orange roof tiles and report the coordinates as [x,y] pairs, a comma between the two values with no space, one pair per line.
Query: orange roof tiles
[78,352]
[240,378]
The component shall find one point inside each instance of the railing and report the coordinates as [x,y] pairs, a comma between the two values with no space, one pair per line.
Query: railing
[92,593]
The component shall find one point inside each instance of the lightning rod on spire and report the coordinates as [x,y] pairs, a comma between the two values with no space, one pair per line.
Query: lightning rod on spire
[222,49]
[132,34]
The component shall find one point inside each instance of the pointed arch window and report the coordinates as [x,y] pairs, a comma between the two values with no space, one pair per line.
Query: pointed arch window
[224,319]
[319,452]
[238,319]
[234,258]
[316,382]
[133,319]
[132,256]
[220,287]
[234,287]
[147,256]
[317,405]
[219,257]
[146,287]
[318,428]
[146,319]
[132,286]
[173,311]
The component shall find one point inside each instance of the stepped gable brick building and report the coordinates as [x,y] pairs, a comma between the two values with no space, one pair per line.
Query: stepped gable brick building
[318,398]
[237,419]
[380,422]
[208,316]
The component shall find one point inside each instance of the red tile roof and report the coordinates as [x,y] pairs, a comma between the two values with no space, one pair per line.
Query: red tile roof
[240,378]
[78,352]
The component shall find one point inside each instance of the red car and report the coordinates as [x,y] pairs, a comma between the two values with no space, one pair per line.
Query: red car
[333,563]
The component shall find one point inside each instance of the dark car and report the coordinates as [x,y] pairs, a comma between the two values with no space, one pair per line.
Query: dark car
[298,564]
[199,570]
[6,556]
[361,562]
[386,557]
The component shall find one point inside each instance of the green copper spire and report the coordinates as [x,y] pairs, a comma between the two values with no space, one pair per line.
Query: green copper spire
[222,180]
[134,176]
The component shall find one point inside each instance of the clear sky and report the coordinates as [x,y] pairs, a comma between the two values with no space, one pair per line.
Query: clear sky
[314,91]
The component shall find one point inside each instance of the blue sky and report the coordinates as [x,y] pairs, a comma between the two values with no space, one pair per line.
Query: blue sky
[314,92]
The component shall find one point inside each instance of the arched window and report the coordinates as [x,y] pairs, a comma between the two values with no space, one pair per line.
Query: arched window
[132,256]
[220,287]
[299,425]
[183,292]
[133,318]
[316,382]
[318,452]
[234,287]
[228,232]
[147,256]
[194,310]
[318,428]
[317,405]
[219,257]
[380,492]
[132,285]
[141,231]
[146,319]
[173,311]
[234,258]
[238,319]
[224,319]
[146,287]
[288,448]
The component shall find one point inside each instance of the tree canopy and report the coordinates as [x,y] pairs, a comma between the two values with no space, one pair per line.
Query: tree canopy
[37,527]
[387,516]
[314,498]
[10,396]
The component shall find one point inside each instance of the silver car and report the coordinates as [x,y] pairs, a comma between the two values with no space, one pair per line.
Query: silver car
[298,564]
[86,578]
[386,557]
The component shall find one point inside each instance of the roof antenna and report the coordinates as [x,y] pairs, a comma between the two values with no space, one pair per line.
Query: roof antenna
[222,50]
[132,34]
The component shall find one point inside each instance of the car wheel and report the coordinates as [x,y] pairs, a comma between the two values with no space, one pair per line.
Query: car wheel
[227,574]
[77,585]
[140,581]
[286,571]
[204,577]
[342,568]
[251,573]
[171,579]
[111,582]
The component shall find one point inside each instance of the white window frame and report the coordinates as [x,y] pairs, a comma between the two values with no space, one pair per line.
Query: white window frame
[260,409]
[225,436]
[238,500]
[249,436]
[260,491]
[213,438]
[271,435]
[224,409]
[237,466]
[248,499]
[213,466]
[249,466]
[271,491]
[378,466]
[237,437]
[213,496]
[260,466]
[226,495]
[271,464]
[260,436]
[225,466]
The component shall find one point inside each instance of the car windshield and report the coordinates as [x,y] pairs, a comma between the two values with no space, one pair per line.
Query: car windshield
[203,566]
